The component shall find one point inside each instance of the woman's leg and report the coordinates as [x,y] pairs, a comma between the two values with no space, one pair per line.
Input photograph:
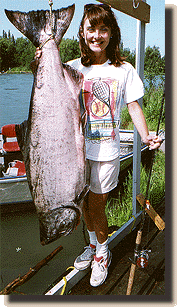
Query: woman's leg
[95,217]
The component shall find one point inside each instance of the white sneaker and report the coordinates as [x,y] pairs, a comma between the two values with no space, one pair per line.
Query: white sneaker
[100,270]
[84,260]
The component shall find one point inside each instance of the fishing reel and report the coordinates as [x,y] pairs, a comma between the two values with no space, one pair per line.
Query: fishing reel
[142,258]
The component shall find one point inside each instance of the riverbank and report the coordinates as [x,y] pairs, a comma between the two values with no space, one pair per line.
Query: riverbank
[15,72]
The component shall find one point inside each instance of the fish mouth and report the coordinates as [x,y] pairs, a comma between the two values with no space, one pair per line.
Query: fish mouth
[58,222]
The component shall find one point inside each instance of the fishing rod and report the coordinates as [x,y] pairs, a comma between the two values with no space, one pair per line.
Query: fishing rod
[157,132]
[141,256]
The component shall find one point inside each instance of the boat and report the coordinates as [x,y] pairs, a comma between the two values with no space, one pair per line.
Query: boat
[13,180]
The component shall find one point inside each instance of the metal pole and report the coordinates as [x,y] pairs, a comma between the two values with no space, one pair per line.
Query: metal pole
[140,51]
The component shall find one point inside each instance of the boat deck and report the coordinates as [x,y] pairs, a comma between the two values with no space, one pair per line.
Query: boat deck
[147,281]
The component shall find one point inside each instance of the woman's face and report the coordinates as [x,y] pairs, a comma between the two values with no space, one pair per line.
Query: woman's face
[96,38]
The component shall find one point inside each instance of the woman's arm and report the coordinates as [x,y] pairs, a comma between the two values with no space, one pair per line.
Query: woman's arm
[139,121]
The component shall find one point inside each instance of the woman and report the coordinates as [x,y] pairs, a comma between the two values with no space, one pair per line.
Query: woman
[107,80]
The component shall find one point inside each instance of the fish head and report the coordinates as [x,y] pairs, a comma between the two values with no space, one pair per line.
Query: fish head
[58,222]
[37,26]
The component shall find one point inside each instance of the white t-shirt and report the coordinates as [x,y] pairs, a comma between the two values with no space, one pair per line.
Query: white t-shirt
[103,89]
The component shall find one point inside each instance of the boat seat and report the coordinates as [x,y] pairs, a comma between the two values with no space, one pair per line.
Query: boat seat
[11,146]
[8,131]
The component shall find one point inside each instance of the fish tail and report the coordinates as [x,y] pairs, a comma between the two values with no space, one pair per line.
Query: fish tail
[37,26]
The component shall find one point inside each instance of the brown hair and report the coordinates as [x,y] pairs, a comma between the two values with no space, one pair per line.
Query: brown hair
[97,13]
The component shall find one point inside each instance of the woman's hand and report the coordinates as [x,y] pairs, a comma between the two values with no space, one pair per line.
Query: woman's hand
[38,54]
[34,64]
[139,121]
[153,141]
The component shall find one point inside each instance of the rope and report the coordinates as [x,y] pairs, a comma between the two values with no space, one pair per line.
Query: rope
[42,44]
[110,234]
[64,287]
[51,19]
[51,23]
[64,278]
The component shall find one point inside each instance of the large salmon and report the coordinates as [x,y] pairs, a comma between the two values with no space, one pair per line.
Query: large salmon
[52,140]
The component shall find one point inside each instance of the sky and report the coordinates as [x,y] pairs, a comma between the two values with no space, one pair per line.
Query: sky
[155,30]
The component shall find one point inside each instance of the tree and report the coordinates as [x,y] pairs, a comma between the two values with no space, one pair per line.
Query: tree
[20,53]
[154,65]
[4,34]
[130,56]
[25,51]
[69,50]
[7,52]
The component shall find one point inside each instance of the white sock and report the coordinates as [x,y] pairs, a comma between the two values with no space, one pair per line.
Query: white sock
[102,249]
[92,237]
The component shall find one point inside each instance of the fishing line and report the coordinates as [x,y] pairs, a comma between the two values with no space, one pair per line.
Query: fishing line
[151,165]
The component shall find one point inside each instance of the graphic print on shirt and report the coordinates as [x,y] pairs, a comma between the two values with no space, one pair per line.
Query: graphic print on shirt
[99,97]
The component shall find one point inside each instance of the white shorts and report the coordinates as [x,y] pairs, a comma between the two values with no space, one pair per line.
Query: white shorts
[102,176]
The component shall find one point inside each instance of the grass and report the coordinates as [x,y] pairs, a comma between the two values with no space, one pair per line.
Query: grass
[119,210]
[18,70]
[151,108]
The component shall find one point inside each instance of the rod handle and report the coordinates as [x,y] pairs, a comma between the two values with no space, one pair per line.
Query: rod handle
[131,277]
[138,237]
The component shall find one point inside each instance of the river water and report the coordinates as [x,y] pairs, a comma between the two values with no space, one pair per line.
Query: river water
[20,242]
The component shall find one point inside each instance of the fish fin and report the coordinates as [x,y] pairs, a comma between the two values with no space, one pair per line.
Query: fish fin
[35,25]
[83,122]
[21,133]
[82,195]
[83,114]
[76,77]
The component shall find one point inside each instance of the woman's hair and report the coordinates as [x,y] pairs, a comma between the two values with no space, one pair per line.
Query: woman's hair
[96,14]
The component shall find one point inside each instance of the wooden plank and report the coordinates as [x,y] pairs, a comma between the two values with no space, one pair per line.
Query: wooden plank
[75,276]
[156,267]
[142,12]
[120,265]
[151,212]
[143,277]
[118,269]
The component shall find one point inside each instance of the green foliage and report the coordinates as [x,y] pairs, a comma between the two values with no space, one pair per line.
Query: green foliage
[15,53]
[20,52]
[119,210]
[152,101]
[69,50]
[151,108]
[7,51]
[117,213]
[130,56]
[25,50]
[154,64]
[125,118]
